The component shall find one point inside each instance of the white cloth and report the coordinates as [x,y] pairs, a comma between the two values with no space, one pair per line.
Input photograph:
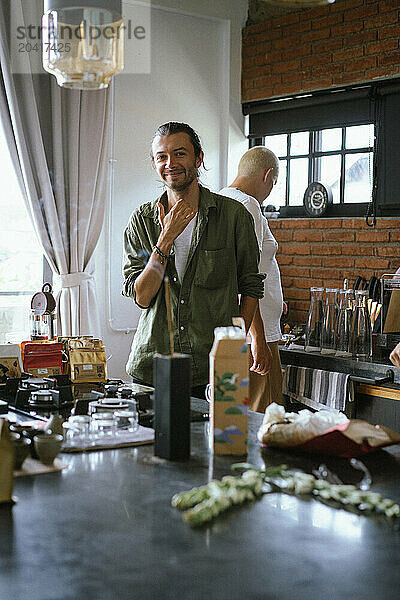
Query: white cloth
[182,246]
[272,303]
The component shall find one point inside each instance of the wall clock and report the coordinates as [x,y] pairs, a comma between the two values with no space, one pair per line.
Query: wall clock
[317,198]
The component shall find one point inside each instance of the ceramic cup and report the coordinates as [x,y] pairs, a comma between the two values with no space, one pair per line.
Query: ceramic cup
[21,449]
[31,431]
[47,447]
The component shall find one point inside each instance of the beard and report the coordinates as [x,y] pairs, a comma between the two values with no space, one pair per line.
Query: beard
[191,175]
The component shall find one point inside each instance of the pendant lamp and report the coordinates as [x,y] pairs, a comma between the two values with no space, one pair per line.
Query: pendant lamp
[83,42]
[299,3]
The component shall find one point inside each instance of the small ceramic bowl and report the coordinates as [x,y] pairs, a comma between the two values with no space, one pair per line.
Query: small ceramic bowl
[47,447]
[21,449]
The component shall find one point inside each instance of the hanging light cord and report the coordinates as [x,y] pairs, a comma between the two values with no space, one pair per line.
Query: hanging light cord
[376,118]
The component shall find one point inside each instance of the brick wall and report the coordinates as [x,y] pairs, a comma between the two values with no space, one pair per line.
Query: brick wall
[351,41]
[322,252]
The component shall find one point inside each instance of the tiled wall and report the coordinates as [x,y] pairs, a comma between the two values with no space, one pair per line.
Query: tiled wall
[351,41]
[322,252]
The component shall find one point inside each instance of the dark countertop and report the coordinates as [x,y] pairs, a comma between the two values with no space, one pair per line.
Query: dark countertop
[104,529]
[296,355]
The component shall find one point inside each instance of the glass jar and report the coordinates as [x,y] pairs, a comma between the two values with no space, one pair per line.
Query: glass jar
[343,323]
[102,424]
[314,321]
[76,431]
[360,334]
[126,421]
[329,322]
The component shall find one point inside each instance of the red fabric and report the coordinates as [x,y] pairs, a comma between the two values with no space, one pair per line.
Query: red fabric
[335,442]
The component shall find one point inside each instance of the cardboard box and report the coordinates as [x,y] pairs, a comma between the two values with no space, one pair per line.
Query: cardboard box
[10,361]
[229,392]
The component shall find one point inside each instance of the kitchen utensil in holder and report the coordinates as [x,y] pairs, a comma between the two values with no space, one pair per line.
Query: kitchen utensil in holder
[329,322]
[314,321]
[360,335]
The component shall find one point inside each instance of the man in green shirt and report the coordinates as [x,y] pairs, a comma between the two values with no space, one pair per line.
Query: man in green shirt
[204,243]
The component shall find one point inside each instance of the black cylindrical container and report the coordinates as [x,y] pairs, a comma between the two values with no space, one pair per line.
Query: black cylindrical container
[172,382]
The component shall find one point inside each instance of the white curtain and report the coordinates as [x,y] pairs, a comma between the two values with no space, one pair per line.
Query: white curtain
[59,141]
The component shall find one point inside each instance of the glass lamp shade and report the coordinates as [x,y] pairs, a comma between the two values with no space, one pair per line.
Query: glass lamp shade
[299,3]
[83,42]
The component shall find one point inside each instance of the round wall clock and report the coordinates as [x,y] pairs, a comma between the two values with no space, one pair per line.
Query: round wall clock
[317,198]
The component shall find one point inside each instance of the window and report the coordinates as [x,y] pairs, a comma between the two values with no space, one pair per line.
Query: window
[339,157]
[345,137]
[21,256]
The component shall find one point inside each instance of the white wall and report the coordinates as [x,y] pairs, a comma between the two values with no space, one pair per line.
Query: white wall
[194,77]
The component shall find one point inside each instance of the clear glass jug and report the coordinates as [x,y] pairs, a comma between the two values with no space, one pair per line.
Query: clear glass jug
[314,321]
[343,323]
[329,322]
[360,335]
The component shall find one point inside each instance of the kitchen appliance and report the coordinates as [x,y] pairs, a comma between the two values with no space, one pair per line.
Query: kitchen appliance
[42,315]
[44,396]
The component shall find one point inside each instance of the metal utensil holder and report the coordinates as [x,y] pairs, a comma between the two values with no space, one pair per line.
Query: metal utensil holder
[389,283]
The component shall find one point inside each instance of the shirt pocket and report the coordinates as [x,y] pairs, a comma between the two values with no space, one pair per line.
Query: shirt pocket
[211,272]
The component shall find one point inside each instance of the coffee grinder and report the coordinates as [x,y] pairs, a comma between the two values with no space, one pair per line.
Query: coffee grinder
[42,315]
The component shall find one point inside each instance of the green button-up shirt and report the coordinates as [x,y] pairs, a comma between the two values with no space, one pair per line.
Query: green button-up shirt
[222,263]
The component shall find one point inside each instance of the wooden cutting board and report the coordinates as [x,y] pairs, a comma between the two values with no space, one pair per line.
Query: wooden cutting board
[392,323]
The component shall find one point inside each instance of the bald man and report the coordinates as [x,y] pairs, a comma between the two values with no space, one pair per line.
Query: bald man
[257,174]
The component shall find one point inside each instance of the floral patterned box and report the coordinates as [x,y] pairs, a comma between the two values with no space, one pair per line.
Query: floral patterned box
[229,394]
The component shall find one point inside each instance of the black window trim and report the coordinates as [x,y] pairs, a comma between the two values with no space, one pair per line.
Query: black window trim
[315,139]
[340,107]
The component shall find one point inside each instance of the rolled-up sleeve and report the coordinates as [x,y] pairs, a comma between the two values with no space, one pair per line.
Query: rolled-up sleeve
[135,257]
[250,281]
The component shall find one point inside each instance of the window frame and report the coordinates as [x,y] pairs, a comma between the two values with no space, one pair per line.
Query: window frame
[47,278]
[377,103]
[314,165]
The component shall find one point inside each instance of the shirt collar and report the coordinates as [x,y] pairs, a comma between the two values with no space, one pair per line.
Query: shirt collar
[207,201]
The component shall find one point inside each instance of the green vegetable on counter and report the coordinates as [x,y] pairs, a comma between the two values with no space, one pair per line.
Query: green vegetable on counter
[202,504]
[206,502]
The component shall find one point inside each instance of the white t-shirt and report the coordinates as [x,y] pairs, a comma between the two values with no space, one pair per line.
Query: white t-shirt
[271,304]
[182,246]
